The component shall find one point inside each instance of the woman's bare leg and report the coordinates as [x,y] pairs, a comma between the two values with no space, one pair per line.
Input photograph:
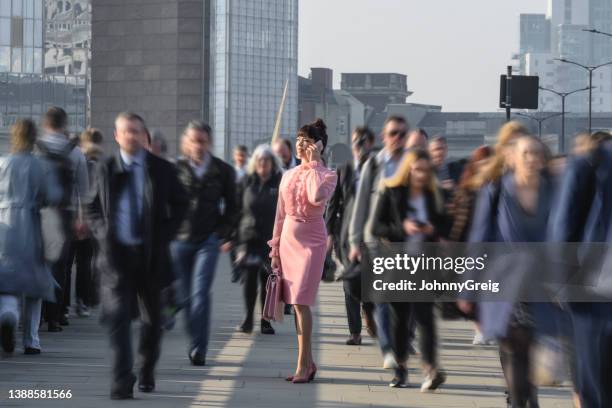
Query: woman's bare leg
[304,334]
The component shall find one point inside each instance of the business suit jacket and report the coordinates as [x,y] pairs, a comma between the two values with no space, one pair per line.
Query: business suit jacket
[165,203]
[340,209]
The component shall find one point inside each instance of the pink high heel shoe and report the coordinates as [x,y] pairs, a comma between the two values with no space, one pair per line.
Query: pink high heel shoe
[311,376]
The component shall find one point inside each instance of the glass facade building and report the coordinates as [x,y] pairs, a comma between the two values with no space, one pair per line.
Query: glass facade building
[44,54]
[253,53]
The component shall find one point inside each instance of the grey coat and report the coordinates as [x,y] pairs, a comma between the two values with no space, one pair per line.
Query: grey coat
[26,185]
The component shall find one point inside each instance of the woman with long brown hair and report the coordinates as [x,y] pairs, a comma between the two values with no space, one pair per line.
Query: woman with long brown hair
[26,185]
[410,210]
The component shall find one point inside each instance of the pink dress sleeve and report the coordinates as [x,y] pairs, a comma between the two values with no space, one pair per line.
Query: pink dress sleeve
[274,243]
[320,183]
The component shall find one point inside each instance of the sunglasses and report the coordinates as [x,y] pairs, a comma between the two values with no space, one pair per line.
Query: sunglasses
[396,133]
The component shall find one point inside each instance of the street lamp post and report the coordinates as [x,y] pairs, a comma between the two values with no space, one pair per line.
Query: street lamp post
[539,120]
[590,70]
[563,95]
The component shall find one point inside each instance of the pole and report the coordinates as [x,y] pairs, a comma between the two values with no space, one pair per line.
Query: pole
[562,141]
[540,121]
[508,93]
[590,100]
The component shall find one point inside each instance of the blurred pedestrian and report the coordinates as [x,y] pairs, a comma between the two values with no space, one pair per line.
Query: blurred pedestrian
[209,182]
[26,184]
[241,155]
[338,217]
[257,199]
[138,206]
[282,148]
[515,207]
[60,224]
[376,168]
[447,172]
[417,139]
[82,248]
[584,214]
[410,209]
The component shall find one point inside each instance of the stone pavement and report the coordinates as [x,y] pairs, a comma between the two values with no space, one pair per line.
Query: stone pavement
[248,370]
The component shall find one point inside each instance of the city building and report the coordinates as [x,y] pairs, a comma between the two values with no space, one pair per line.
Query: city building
[376,89]
[253,55]
[226,62]
[29,81]
[535,33]
[340,110]
[564,25]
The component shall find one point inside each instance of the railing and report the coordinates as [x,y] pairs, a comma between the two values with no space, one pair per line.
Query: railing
[29,95]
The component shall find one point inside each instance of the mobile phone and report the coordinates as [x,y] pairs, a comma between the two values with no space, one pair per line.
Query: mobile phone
[319,145]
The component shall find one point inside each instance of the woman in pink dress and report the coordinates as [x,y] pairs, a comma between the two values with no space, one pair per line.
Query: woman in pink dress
[299,240]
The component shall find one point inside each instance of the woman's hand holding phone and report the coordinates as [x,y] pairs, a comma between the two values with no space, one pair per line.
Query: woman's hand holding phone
[314,151]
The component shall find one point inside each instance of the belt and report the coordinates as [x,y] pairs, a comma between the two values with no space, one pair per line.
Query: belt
[304,219]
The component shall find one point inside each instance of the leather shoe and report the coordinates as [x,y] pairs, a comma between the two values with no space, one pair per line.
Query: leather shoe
[146,382]
[31,351]
[123,391]
[197,358]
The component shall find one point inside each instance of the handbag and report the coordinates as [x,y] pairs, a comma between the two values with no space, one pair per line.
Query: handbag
[273,306]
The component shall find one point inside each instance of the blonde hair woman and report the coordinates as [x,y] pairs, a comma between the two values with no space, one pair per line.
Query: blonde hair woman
[498,163]
[410,210]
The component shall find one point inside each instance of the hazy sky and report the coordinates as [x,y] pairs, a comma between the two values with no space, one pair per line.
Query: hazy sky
[452,51]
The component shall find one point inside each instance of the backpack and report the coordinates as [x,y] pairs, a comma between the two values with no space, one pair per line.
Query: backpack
[60,160]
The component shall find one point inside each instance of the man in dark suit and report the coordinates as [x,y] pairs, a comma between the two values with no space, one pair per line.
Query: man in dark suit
[338,217]
[136,212]
[584,214]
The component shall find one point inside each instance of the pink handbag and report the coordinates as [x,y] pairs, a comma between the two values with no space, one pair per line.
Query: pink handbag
[273,306]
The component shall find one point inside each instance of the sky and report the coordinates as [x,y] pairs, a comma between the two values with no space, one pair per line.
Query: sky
[452,51]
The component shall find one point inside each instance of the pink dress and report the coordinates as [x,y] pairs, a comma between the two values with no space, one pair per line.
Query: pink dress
[300,235]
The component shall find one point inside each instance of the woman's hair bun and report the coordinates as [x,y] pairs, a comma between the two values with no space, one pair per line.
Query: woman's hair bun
[319,124]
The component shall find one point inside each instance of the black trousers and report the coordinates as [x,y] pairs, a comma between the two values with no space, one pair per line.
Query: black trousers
[514,354]
[130,292]
[254,276]
[423,315]
[54,310]
[352,301]
[80,252]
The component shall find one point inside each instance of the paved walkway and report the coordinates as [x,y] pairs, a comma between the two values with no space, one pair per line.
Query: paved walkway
[248,370]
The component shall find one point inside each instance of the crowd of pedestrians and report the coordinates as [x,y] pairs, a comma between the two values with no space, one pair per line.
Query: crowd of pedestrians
[144,233]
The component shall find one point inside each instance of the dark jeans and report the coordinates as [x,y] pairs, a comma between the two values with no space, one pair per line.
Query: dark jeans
[423,315]
[514,354]
[81,252]
[352,301]
[133,291]
[195,264]
[252,275]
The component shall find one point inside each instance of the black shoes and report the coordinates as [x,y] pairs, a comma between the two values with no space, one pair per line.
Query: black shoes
[31,351]
[54,327]
[7,334]
[246,327]
[354,341]
[146,382]
[266,327]
[197,358]
[400,380]
[433,381]
[123,391]
[63,321]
